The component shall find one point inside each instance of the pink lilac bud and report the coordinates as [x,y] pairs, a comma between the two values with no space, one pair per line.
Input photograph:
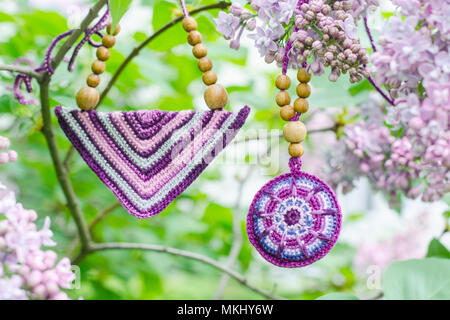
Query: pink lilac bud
[251,25]
[235,44]
[236,9]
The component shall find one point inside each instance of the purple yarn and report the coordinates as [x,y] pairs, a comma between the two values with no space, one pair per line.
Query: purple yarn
[102,149]
[294,219]
[46,64]
[289,44]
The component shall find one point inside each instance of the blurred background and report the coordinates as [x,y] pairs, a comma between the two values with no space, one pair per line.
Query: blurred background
[165,76]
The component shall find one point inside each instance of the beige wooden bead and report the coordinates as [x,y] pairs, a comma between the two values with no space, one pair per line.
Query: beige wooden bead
[296,150]
[303,76]
[108,41]
[303,90]
[294,131]
[283,98]
[205,64]
[98,67]
[93,80]
[116,31]
[87,98]
[189,24]
[216,96]
[199,50]
[287,113]
[301,105]
[283,82]
[103,54]
[209,78]
[194,37]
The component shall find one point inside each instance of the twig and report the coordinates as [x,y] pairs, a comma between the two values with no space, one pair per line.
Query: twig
[21,69]
[92,224]
[93,13]
[369,34]
[181,253]
[61,172]
[68,158]
[380,91]
[371,80]
[137,50]
[280,134]
[237,237]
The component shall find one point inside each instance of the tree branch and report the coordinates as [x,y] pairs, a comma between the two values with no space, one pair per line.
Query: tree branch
[237,237]
[68,44]
[280,134]
[181,253]
[21,69]
[137,50]
[61,172]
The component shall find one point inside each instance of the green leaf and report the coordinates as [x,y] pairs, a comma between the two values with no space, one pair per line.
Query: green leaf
[438,250]
[338,296]
[424,279]
[118,8]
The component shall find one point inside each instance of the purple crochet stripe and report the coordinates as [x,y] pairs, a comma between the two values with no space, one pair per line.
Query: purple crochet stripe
[173,190]
[144,175]
[314,236]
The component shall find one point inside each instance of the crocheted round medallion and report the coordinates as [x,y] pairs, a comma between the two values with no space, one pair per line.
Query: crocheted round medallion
[295,219]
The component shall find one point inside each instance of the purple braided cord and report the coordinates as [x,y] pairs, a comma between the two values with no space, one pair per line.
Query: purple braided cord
[289,43]
[184,8]
[101,24]
[46,64]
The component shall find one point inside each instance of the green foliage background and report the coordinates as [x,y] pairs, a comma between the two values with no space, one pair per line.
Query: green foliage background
[195,221]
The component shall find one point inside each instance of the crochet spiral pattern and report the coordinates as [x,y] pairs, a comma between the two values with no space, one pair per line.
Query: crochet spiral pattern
[295,219]
[148,158]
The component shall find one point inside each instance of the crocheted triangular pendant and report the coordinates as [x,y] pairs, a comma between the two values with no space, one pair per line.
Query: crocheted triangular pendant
[148,158]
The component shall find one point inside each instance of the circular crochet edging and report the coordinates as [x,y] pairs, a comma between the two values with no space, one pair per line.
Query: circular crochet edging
[294,219]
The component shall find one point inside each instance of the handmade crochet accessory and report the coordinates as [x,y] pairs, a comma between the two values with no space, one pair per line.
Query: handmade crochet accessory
[295,218]
[149,157]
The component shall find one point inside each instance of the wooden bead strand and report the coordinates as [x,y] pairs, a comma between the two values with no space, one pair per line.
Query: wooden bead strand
[294,131]
[216,97]
[88,97]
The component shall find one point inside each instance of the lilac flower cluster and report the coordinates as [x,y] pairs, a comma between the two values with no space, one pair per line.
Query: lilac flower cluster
[27,271]
[8,156]
[414,52]
[412,154]
[323,34]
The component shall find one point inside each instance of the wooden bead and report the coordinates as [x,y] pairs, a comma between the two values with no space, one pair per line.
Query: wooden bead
[194,37]
[216,96]
[189,24]
[283,82]
[303,76]
[283,98]
[296,150]
[287,113]
[209,78]
[103,54]
[116,30]
[301,105]
[205,64]
[108,41]
[199,51]
[87,98]
[98,67]
[93,80]
[294,131]
[303,90]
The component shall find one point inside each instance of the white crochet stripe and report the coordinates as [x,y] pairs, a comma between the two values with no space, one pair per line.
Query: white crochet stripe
[144,204]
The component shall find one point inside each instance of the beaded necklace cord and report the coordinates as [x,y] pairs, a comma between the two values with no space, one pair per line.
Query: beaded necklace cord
[294,219]
[147,158]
